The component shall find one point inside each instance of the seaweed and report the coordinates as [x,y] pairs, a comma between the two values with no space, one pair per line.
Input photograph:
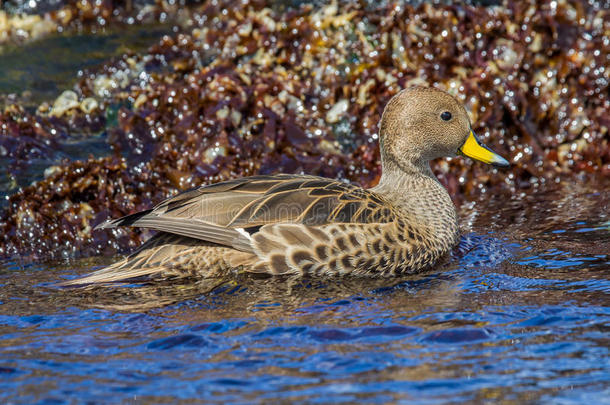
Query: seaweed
[244,88]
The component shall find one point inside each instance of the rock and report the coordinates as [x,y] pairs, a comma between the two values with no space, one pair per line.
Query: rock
[65,102]
[334,114]
[88,105]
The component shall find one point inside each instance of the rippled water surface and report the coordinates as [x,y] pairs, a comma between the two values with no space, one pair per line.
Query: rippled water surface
[521,313]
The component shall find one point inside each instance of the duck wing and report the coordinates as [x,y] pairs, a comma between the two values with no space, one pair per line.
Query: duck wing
[228,213]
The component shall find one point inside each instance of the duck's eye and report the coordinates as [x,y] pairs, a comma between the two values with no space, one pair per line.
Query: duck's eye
[445,115]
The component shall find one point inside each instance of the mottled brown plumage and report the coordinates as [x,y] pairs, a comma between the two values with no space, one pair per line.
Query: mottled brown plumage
[295,224]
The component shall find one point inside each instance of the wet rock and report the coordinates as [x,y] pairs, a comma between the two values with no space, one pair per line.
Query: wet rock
[22,27]
[64,103]
[334,114]
[88,105]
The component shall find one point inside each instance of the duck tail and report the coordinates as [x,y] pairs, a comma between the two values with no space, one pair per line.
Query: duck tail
[127,220]
[113,274]
[150,261]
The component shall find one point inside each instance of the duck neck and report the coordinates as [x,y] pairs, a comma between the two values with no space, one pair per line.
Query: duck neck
[413,188]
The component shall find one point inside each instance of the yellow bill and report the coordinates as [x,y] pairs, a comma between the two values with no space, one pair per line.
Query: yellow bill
[473,148]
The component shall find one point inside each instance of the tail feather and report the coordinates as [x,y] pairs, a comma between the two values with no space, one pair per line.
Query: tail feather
[127,220]
[162,256]
[112,275]
[154,258]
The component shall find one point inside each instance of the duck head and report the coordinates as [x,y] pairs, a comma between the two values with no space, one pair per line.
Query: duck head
[423,123]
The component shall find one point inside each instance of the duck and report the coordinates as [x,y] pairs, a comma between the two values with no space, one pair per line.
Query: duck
[290,224]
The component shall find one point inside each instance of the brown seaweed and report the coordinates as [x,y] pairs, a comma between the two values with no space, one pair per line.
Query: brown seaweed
[245,88]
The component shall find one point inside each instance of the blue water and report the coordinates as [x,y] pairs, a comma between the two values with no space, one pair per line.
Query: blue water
[520,314]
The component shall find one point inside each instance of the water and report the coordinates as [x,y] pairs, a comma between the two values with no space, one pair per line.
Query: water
[521,313]
[26,76]
[27,73]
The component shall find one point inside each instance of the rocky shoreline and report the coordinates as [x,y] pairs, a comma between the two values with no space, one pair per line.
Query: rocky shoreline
[245,87]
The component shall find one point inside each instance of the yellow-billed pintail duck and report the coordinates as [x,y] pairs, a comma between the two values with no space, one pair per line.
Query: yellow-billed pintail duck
[297,224]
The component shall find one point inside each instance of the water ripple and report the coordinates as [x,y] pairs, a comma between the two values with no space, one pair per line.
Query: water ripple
[506,317]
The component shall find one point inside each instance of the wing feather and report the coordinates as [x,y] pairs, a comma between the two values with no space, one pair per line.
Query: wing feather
[196,229]
[226,213]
